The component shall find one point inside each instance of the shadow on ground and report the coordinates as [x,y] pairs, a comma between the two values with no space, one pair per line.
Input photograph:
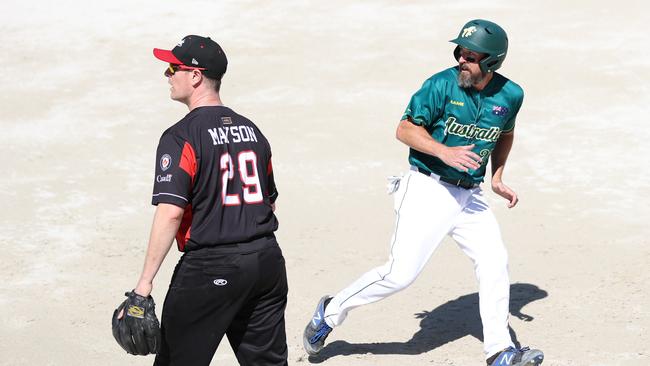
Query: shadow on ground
[446,323]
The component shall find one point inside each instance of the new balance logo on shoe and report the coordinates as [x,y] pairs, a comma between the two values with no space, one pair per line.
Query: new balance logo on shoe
[517,357]
[316,319]
[317,330]
[506,359]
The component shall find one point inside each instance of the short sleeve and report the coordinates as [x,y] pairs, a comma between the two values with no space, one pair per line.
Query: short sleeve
[426,104]
[510,125]
[175,171]
[272,188]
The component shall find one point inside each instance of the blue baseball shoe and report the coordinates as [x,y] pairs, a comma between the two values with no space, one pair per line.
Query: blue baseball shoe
[317,330]
[517,357]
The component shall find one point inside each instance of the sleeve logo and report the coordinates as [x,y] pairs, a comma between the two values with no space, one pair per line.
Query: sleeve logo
[163,178]
[165,162]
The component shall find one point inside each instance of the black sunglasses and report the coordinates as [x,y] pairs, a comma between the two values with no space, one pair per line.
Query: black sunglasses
[464,53]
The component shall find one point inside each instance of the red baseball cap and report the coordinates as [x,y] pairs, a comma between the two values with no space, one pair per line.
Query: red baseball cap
[196,52]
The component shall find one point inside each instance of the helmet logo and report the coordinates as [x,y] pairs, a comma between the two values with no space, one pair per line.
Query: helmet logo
[467,32]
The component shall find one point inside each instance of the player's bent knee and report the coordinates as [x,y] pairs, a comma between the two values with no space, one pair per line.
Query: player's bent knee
[398,282]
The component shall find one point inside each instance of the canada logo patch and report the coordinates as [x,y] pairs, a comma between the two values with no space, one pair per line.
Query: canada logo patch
[499,110]
[165,162]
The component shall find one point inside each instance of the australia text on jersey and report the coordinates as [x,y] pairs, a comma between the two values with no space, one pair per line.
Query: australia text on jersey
[232,134]
[471,131]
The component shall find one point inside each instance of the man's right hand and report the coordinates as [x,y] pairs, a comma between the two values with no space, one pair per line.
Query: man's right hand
[459,157]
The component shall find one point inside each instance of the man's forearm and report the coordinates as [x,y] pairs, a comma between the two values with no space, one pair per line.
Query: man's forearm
[500,155]
[416,137]
[166,222]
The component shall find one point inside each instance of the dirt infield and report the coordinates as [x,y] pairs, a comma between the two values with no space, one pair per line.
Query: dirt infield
[85,103]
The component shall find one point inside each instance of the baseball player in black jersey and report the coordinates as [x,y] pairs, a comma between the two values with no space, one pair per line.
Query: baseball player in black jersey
[215,193]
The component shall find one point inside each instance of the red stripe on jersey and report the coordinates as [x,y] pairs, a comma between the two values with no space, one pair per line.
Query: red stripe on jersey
[183,234]
[188,160]
[269,168]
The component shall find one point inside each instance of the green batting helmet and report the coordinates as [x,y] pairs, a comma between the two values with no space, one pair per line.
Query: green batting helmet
[485,37]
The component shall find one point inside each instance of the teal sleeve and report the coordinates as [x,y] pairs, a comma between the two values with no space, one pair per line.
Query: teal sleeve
[510,125]
[425,105]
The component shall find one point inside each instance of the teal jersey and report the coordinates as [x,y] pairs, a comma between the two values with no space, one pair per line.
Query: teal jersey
[455,116]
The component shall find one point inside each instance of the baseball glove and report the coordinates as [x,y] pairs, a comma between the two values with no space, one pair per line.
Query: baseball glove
[138,331]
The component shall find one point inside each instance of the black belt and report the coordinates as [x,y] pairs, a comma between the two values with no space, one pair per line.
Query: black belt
[454,182]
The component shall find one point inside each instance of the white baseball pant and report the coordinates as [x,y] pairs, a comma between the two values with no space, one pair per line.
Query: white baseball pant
[427,210]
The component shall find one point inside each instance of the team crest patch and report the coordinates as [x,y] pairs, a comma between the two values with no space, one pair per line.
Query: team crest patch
[165,162]
[467,32]
[499,110]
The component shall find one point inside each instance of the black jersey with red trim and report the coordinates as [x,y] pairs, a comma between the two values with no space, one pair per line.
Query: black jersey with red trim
[216,164]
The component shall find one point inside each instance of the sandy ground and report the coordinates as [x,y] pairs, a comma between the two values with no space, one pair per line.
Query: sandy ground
[84,103]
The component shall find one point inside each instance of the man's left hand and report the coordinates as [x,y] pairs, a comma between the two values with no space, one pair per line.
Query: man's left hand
[505,192]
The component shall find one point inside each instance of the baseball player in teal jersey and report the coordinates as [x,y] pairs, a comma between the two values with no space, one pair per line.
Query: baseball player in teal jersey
[458,120]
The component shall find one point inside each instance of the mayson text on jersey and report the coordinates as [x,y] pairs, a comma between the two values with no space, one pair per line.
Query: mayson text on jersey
[232,134]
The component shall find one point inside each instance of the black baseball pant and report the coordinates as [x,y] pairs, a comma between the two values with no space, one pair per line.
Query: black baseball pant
[239,290]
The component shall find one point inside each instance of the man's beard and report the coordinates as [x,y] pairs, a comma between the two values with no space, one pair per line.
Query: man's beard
[467,80]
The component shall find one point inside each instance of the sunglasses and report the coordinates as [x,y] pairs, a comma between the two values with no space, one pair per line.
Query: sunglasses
[174,68]
[469,56]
